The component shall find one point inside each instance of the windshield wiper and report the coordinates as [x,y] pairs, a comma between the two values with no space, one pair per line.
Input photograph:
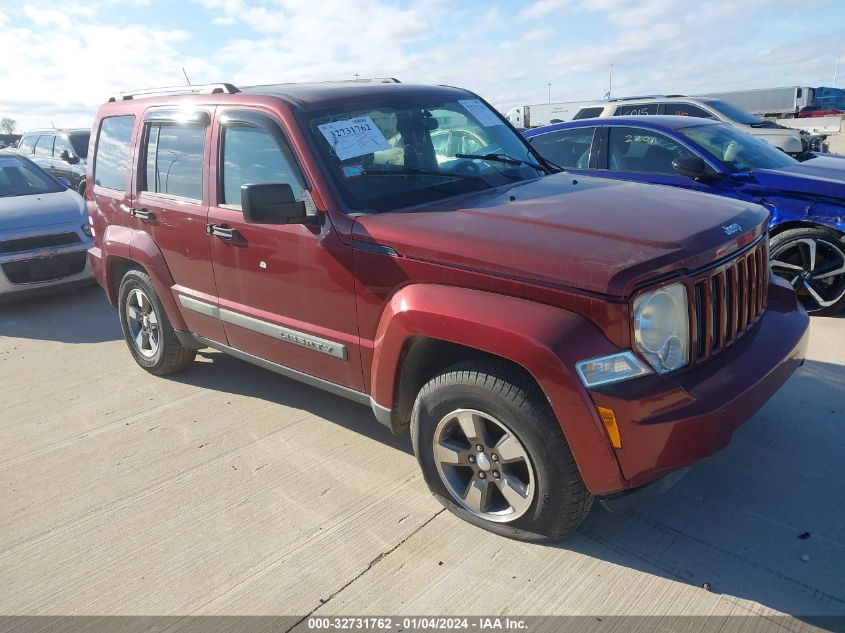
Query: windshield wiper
[419,171]
[504,158]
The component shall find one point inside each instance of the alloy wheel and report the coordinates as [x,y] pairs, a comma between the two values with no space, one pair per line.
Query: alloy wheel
[816,269]
[483,465]
[143,323]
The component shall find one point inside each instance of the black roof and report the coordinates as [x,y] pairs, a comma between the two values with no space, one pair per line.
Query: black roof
[316,95]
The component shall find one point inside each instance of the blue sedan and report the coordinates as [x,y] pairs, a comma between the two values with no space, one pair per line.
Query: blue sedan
[806,199]
[44,230]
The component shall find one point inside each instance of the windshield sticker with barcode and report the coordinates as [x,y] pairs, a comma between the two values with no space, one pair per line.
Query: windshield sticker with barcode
[354,137]
[480,112]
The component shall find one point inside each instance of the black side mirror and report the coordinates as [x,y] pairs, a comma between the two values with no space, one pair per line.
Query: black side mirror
[272,203]
[690,166]
[65,156]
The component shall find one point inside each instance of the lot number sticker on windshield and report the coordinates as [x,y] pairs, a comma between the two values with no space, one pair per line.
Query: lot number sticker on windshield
[354,137]
[481,112]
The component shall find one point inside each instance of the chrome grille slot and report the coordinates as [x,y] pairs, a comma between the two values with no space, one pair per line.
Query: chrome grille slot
[728,300]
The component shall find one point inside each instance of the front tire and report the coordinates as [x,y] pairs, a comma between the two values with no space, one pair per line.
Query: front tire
[493,453]
[812,260]
[148,333]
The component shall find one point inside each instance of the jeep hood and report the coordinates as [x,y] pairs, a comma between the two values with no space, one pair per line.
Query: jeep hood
[43,209]
[593,234]
[820,176]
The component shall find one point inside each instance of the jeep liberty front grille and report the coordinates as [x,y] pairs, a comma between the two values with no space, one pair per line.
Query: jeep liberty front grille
[728,300]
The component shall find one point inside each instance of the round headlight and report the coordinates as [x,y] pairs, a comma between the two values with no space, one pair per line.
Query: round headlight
[655,321]
[661,327]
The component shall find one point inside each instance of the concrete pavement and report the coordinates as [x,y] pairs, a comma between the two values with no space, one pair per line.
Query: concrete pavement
[230,490]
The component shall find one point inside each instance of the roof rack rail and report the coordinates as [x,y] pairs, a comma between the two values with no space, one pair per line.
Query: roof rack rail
[635,98]
[199,89]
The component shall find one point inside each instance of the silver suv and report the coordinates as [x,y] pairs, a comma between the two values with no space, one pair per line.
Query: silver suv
[784,138]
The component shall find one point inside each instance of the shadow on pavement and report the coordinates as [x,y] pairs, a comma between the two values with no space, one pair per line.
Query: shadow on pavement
[227,374]
[78,315]
[763,520]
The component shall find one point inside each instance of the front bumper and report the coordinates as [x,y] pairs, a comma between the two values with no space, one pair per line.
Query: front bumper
[667,423]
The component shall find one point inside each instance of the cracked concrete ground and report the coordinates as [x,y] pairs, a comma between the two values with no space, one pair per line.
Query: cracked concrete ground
[230,490]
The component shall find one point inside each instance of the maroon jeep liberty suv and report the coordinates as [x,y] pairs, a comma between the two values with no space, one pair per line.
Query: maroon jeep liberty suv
[546,339]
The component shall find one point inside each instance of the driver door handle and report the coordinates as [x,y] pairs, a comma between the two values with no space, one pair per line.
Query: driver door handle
[222,231]
[142,214]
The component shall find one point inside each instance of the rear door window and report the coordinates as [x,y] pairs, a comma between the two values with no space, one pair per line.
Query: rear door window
[636,109]
[111,162]
[44,146]
[567,148]
[174,160]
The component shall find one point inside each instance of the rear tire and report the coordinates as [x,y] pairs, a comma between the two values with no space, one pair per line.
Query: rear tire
[516,476]
[809,259]
[151,339]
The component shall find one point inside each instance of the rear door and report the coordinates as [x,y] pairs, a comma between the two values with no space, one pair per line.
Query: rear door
[171,205]
[286,292]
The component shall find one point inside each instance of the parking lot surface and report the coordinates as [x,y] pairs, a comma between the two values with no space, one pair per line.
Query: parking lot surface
[230,490]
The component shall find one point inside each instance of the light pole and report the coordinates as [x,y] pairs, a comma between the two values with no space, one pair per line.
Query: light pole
[835,71]
[550,93]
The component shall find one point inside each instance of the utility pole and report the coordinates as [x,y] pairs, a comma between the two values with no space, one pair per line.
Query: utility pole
[610,83]
[550,93]
[357,76]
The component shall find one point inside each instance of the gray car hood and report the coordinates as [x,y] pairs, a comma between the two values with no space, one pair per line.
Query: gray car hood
[43,209]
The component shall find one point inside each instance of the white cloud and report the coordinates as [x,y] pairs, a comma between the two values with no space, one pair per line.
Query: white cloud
[542,7]
[47,17]
[537,35]
[63,76]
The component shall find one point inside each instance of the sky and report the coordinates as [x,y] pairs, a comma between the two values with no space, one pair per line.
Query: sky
[60,59]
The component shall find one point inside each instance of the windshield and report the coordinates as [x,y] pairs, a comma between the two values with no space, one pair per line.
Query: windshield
[738,150]
[19,177]
[401,151]
[79,141]
[734,113]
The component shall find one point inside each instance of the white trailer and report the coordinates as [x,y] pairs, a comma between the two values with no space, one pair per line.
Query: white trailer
[774,102]
[543,113]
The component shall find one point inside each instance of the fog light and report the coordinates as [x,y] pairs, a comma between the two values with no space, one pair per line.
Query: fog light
[608,418]
[88,230]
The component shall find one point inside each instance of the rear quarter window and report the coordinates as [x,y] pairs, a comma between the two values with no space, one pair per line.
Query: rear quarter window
[587,113]
[27,144]
[111,162]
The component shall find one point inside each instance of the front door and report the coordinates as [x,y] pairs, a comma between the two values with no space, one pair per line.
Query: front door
[286,292]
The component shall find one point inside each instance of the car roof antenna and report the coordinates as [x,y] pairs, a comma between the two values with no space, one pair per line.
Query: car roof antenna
[186,76]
